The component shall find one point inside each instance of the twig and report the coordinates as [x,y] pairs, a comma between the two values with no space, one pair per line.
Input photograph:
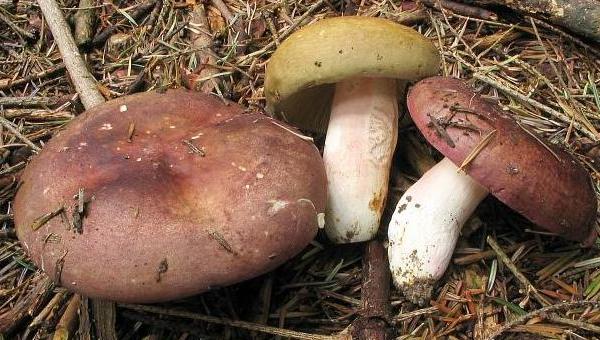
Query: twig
[137,14]
[54,304]
[567,36]
[84,82]
[8,125]
[68,320]
[28,305]
[538,312]
[472,258]
[575,323]
[7,83]
[375,289]
[563,118]
[27,101]
[415,313]
[105,316]
[84,319]
[239,324]
[84,22]
[511,266]
[15,27]
[463,9]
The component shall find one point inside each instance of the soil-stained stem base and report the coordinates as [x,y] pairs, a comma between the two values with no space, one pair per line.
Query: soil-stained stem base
[425,227]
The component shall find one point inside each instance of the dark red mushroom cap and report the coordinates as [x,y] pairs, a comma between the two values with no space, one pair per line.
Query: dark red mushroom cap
[543,183]
[181,193]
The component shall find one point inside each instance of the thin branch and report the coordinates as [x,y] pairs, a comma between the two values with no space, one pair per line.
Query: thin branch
[84,82]
[239,324]
[8,125]
[510,265]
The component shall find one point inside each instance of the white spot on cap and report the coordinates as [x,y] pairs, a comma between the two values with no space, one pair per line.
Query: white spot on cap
[74,283]
[139,159]
[276,205]
[233,163]
[172,126]
[83,144]
[106,126]
[123,108]
[242,168]
[46,190]
[247,186]
[259,175]
[219,115]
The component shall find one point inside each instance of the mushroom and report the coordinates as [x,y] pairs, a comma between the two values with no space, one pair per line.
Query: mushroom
[486,151]
[343,76]
[159,196]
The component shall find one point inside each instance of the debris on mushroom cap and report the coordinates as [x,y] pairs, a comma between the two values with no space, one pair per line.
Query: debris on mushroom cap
[301,73]
[169,198]
[540,181]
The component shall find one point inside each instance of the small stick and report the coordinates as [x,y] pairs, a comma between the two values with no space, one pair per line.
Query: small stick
[9,126]
[541,311]
[84,82]
[233,323]
[7,83]
[375,289]
[84,22]
[575,323]
[105,316]
[415,313]
[68,320]
[21,32]
[511,266]
[472,258]
[53,305]
[463,9]
[27,101]
[84,319]
[137,14]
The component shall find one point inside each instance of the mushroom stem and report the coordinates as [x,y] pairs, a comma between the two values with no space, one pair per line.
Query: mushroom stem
[425,227]
[357,155]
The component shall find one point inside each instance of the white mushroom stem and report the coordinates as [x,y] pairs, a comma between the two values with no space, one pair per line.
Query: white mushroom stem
[425,227]
[359,146]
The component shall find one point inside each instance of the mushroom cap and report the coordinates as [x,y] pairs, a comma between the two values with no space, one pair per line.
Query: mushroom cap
[301,74]
[542,182]
[204,195]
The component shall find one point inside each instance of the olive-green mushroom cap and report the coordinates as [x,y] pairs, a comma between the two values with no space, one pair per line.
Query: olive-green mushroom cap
[301,74]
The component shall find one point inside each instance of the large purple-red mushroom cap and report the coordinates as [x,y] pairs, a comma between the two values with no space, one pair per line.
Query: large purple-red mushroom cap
[158,196]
